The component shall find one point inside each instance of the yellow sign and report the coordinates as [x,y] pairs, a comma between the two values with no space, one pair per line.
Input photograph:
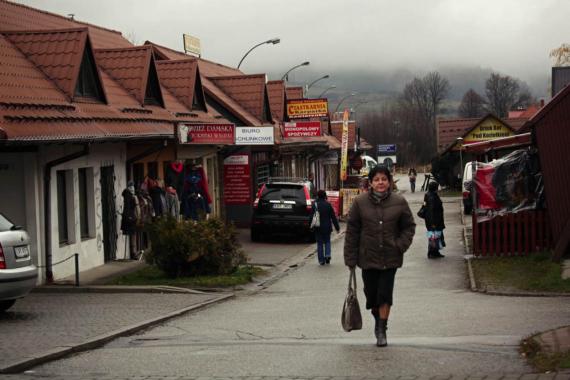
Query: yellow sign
[191,44]
[489,129]
[344,147]
[303,108]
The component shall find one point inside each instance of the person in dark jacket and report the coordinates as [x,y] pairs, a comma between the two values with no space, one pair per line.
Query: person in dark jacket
[434,221]
[379,230]
[323,232]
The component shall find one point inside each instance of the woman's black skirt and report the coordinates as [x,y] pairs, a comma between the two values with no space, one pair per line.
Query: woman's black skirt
[378,286]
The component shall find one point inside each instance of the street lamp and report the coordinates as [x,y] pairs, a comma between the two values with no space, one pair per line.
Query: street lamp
[328,88]
[316,80]
[285,76]
[342,100]
[460,142]
[271,41]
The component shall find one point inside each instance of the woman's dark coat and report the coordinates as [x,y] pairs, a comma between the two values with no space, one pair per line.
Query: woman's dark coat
[129,215]
[378,232]
[327,217]
[434,212]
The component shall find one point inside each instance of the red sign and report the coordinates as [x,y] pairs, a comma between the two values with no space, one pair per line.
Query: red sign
[237,180]
[334,199]
[211,134]
[302,129]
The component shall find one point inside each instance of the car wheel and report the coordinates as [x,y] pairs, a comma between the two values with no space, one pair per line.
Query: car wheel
[255,235]
[5,305]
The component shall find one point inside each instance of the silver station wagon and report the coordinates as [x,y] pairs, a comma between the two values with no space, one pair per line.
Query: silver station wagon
[17,273]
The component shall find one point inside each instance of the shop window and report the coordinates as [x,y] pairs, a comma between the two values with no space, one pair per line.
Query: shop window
[65,209]
[86,201]
[138,174]
[152,169]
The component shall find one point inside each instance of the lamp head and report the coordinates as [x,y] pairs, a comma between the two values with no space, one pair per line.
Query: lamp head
[273,41]
[307,63]
[326,76]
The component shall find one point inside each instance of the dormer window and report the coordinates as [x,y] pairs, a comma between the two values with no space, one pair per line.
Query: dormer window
[88,85]
[152,95]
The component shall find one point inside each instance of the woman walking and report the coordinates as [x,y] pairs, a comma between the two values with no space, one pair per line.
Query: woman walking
[434,221]
[380,229]
[323,231]
[412,174]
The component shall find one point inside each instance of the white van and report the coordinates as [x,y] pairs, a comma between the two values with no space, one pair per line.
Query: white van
[367,164]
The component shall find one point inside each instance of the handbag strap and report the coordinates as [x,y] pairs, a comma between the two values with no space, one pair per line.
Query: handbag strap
[352,279]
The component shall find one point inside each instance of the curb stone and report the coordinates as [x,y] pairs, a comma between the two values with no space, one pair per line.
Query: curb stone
[100,340]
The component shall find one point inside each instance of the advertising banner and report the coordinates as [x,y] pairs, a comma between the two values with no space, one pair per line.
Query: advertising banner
[344,147]
[237,180]
[489,129]
[302,129]
[334,199]
[302,108]
[508,185]
[254,136]
[207,134]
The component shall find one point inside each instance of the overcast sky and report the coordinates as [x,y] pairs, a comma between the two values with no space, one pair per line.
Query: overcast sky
[511,36]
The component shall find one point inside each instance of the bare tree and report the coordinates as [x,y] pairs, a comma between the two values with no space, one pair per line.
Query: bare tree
[437,89]
[502,93]
[472,104]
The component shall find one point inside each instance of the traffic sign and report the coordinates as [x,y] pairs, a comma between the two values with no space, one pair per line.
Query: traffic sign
[386,149]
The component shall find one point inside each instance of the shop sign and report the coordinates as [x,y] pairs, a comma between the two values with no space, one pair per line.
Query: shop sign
[207,134]
[344,147]
[254,136]
[386,149]
[302,108]
[302,129]
[488,130]
[334,199]
[237,180]
[191,44]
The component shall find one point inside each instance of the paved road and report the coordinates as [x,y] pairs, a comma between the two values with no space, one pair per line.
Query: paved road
[438,329]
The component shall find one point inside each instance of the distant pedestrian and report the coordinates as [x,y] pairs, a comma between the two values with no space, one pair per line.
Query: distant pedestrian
[380,229]
[323,232]
[412,174]
[434,221]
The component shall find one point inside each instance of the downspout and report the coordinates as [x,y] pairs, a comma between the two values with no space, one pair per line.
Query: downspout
[145,153]
[47,205]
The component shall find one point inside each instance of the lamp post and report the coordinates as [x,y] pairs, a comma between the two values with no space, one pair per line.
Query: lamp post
[342,100]
[271,41]
[286,77]
[328,88]
[316,80]
[460,142]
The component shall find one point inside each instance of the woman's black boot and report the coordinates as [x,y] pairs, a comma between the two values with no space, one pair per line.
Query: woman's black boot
[376,326]
[381,340]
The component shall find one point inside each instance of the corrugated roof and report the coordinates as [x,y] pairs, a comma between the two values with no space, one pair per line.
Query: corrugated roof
[247,90]
[276,93]
[128,66]
[21,82]
[293,93]
[57,53]
[21,17]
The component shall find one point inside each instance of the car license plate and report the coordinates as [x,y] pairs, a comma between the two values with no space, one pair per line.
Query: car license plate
[282,206]
[22,252]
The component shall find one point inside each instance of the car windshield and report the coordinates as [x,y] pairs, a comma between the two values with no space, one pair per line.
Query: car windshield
[5,224]
[281,191]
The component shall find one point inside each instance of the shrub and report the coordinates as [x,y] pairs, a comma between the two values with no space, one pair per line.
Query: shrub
[193,248]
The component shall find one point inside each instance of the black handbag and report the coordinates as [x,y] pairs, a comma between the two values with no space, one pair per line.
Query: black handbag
[351,319]
[422,212]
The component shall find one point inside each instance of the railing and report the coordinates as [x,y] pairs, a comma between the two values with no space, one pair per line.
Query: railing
[76,257]
[512,235]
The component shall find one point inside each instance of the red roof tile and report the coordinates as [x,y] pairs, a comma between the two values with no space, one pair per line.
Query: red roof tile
[336,130]
[21,82]
[230,104]
[128,66]
[180,78]
[276,93]
[20,17]
[57,53]
[247,90]
[294,93]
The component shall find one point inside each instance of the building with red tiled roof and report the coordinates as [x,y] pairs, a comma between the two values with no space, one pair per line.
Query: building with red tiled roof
[293,93]
[277,99]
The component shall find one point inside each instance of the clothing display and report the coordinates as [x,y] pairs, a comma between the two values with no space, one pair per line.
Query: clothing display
[130,211]
[195,198]
[174,176]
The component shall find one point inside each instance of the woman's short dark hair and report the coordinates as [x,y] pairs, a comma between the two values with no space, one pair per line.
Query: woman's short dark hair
[379,169]
[321,194]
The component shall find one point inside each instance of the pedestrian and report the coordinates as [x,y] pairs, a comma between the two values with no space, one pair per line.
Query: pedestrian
[412,174]
[323,231]
[434,221]
[380,229]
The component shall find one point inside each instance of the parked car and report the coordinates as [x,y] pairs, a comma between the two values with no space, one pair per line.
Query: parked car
[17,273]
[367,164]
[282,205]
[467,187]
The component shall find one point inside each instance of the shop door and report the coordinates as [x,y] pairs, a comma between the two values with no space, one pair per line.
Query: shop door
[211,169]
[109,214]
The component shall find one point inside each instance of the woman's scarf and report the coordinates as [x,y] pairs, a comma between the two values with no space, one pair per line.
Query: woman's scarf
[379,196]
